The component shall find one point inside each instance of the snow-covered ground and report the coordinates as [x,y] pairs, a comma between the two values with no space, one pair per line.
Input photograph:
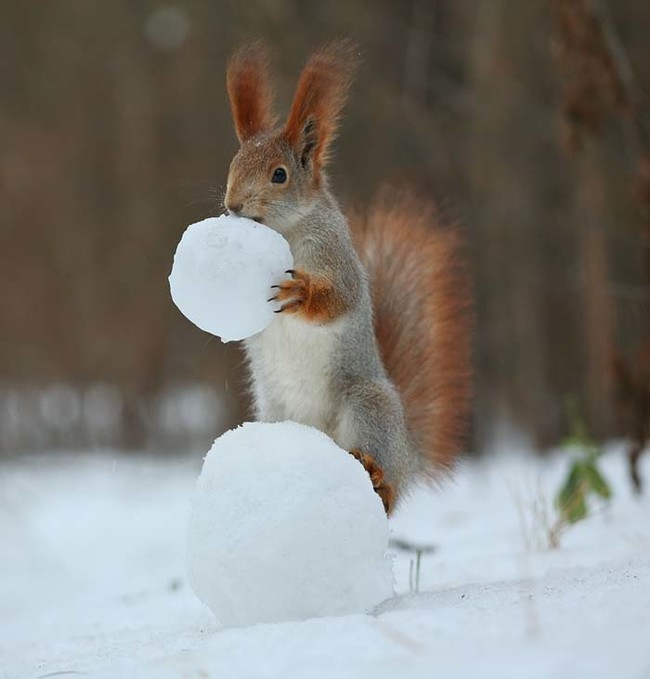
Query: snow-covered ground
[92,582]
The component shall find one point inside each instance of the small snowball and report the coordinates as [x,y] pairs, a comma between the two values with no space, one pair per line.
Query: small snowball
[222,275]
[285,525]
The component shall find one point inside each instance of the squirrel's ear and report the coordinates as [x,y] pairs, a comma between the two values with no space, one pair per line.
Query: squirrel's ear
[320,95]
[249,90]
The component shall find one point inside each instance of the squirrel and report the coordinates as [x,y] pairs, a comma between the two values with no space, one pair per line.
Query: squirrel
[371,342]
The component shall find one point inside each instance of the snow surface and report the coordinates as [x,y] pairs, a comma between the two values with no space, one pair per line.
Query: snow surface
[92,582]
[285,525]
[222,275]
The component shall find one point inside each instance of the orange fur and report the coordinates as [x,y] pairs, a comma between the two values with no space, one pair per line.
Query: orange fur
[310,296]
[320,96]
[421,303]
[385,491]
[249,90]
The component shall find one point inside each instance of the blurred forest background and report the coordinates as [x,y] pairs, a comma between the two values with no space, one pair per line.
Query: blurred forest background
[524,120]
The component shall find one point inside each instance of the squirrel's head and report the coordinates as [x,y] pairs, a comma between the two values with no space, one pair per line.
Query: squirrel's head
[278,173]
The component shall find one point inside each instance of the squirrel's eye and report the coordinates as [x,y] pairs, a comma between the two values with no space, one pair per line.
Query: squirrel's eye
[279,176]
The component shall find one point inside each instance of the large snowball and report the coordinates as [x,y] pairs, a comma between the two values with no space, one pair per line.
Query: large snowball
[222,275]
[285,525]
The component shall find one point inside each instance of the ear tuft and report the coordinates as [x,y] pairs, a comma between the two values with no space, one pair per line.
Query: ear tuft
[319,99]
[249,90]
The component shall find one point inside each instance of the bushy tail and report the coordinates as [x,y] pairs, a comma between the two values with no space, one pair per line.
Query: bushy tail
[421,303]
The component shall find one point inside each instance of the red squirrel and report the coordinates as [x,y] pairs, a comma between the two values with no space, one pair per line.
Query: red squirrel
[371,342]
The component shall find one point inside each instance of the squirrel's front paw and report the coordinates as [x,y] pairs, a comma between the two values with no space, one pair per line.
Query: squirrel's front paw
[384,489]
[293,293]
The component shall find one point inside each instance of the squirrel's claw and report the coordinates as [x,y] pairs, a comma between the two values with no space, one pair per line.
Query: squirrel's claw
[384,489]
[294,304]
[292,293]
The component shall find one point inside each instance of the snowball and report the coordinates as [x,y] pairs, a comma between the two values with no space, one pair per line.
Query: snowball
[285,525]
[222,275]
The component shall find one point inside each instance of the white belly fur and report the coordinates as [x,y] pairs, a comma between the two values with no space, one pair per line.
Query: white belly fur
[290,363]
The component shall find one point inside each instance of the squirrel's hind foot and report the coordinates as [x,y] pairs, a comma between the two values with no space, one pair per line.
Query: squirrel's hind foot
[384,489]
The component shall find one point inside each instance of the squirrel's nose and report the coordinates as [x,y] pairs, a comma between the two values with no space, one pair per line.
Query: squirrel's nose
[234,208]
